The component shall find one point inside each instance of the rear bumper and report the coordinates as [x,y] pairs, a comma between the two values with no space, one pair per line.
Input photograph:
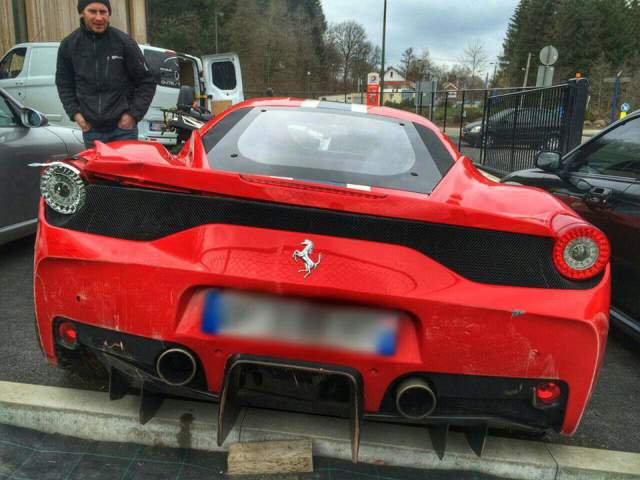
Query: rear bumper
[456,327]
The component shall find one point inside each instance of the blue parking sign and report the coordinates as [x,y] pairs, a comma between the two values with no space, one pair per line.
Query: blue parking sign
[625,107]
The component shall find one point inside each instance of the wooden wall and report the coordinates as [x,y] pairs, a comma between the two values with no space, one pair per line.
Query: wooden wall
[7,33]
[138,15]
[52,20]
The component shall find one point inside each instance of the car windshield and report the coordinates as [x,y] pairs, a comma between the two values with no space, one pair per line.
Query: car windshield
[329,145]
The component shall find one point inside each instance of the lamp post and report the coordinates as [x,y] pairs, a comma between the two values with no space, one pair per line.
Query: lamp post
[215,16]
[384,34]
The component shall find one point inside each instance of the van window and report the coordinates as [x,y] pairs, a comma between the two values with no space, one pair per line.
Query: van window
[12,64]
[224,75]
[43,61]
[164,66]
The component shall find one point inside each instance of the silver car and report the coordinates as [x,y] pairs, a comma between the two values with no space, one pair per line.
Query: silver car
[25,138]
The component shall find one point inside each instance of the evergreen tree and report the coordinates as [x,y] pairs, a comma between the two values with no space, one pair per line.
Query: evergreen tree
[574,35]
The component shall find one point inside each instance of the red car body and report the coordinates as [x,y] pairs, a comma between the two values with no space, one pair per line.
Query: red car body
[458,332]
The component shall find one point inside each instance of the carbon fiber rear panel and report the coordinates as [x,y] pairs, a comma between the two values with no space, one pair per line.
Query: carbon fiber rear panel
[485,256]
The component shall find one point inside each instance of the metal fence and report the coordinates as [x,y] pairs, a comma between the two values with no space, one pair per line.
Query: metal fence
[517,126]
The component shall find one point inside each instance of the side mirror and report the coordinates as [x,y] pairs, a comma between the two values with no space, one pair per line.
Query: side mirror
[185,97]
[548,161]
[33,119]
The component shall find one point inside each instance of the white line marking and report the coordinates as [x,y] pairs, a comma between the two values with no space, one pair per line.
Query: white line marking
[366,188]
[311,103]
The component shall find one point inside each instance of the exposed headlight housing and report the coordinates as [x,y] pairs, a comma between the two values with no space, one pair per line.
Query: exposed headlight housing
[62,188]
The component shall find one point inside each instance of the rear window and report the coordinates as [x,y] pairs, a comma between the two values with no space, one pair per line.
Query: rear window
[327,145]
[164,67]
[223,75]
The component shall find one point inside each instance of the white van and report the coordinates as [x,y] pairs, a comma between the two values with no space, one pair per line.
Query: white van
[27,72]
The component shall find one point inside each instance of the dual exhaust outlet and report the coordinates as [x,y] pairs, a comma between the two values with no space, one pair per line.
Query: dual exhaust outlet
[176,367]
[414,398]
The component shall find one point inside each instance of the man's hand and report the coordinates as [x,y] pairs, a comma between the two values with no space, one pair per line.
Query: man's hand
[127,122]
[82,123]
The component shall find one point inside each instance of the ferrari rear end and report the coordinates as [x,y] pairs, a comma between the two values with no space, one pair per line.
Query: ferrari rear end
[325,259]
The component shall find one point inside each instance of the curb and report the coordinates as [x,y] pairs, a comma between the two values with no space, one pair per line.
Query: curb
[189,424]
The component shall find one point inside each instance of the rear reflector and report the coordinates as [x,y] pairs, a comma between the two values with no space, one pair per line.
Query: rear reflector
[547,393]
[67,335]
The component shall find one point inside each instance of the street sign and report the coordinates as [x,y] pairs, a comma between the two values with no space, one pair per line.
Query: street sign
[545,76]
[548,55]
[625,107]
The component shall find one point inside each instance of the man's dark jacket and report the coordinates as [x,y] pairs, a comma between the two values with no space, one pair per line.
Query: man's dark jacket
[102,77]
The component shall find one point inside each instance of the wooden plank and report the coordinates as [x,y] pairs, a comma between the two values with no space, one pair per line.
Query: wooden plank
[120,15]
[51,21]
[7,33]
[138,20]
[263,458]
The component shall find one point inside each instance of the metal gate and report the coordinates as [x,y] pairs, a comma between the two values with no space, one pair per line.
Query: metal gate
[517,126]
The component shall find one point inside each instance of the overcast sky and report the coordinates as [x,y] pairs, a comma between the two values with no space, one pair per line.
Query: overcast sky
[445,27]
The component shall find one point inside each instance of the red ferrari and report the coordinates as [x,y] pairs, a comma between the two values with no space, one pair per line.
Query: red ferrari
[322,258]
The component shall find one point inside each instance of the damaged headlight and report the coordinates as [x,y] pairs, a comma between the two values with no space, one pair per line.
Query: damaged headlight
[62,187]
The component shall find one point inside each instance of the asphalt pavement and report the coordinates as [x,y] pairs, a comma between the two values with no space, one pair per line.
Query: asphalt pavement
[610,422]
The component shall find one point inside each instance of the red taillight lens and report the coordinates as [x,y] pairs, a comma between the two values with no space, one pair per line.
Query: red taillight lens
[547,392]
[68,334]
[581,252]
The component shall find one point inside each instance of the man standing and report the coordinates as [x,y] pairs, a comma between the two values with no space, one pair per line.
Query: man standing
[103,81]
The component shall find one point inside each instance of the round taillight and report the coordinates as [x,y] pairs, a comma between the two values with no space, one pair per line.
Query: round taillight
[68,334]
[548,392]
[581,253]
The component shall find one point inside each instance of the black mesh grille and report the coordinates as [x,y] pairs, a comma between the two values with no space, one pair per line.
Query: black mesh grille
[486,256]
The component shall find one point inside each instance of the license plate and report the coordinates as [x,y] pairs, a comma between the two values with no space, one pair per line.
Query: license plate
[299,321]
[156,126]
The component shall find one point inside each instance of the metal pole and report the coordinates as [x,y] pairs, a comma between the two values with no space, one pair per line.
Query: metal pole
[446,101]
[215,15]
[483,129]
[526,72]
[384,35]
[464,92]
[433,99]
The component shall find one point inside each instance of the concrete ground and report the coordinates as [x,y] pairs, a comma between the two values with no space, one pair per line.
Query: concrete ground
[610,422]
[33,455]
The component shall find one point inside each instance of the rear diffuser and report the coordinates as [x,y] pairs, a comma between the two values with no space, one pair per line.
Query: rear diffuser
[292,386]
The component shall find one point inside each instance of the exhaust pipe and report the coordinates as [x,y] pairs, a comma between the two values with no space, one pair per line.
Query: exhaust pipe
[414,398]
[176,367]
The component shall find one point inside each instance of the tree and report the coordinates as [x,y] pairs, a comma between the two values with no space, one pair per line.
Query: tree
[474,59]
[408,63]
[349,40]
[574,34]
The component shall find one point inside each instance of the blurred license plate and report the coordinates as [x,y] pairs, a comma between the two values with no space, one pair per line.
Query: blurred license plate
[265,317]
[156,126]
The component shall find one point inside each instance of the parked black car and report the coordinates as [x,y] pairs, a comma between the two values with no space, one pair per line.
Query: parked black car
[601,181]
[533,128]
[25,137]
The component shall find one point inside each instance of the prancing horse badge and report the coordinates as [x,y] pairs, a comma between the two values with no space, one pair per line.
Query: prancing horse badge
[305,255]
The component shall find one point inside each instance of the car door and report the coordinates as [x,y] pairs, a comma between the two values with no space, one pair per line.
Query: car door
[19,184]
[223,80]
[13,72]
[605,189]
